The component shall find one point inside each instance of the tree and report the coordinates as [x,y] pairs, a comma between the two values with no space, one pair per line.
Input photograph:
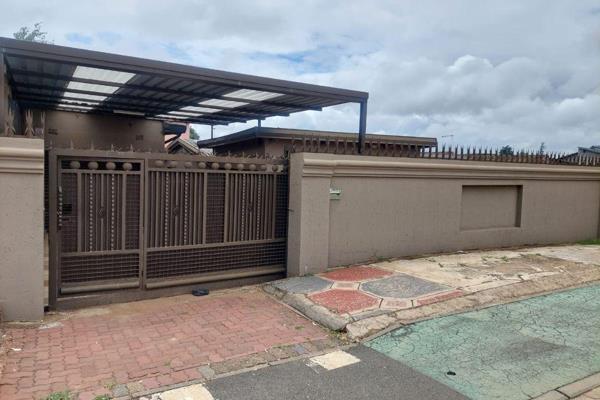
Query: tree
[507,151]
[34,34]
[193,134]
[542,149]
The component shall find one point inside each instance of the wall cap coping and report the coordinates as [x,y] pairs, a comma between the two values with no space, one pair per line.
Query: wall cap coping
[325,165]
[21,155]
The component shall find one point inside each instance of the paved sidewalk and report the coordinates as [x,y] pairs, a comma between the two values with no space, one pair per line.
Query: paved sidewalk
[377,293]
[136,347]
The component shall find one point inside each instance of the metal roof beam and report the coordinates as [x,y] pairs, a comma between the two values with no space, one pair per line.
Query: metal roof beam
[105,110]
[172,106]
[201,95]
[126,106]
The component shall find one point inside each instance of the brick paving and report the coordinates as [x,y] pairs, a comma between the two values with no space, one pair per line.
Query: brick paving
[145,345]
[344,300]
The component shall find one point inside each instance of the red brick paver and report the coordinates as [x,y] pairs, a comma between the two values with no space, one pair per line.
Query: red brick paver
[344,300]
[154,343]
[356,274]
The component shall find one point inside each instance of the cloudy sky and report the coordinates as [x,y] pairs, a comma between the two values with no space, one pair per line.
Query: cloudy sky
[468,72]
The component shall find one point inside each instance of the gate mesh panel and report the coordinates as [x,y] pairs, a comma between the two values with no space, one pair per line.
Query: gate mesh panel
[251,209]
[215,207]
[99,267]
[281,206]
[69,212]
[170,263]
[132,212]
[102,219]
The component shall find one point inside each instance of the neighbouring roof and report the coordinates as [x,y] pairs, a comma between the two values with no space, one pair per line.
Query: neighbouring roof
[188,145]
[57,77]
[299,134]
[592,149]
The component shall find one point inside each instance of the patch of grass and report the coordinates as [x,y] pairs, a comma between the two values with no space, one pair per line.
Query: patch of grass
[298,327]
[595,242]
[102,397]
[64,395]
[110,385]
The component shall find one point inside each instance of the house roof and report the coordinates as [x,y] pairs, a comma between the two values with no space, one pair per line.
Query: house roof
[299,134]
[57,77]
[593,149]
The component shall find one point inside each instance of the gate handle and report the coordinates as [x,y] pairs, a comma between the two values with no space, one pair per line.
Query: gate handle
[59,212]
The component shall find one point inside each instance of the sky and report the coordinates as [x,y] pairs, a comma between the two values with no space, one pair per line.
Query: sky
[482,73]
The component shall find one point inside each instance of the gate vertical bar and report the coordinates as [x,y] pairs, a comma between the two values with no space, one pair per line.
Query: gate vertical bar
[123,211]
[226,208]
[274,214]
[204,196]
[143,234]
[79,211]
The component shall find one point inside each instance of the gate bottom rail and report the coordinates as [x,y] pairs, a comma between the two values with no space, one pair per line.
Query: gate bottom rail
[213,277]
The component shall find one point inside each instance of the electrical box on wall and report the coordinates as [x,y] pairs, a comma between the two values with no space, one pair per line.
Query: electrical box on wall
[335,194]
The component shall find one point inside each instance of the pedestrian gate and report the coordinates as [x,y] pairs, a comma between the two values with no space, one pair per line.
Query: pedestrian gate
[149,220]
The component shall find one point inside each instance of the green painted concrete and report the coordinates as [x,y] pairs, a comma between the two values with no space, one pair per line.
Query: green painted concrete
[512,351]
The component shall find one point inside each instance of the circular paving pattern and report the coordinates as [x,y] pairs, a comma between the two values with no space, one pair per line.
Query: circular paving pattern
[402,287]
[304,284]
[344,301]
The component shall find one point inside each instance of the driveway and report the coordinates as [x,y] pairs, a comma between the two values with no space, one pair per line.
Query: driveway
[132,348]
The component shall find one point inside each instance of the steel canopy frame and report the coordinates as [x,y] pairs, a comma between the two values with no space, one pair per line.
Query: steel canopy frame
[160,87]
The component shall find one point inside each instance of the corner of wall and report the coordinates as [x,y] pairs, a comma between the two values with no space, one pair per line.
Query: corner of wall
[308,232]
[22,249]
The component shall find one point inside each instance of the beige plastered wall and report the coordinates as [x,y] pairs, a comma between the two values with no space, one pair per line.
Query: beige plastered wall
[21,228]
[394,207]
[82,130]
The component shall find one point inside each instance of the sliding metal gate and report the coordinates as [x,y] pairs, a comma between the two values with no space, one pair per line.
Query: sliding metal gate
[143,220]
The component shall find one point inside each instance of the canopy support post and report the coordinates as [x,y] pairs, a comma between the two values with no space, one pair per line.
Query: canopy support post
[3,95]
[362,126]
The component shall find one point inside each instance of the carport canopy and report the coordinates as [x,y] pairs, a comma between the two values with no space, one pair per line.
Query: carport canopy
[64,78]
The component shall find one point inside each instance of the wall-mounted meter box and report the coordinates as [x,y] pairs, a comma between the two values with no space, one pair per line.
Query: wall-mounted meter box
[335,194]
